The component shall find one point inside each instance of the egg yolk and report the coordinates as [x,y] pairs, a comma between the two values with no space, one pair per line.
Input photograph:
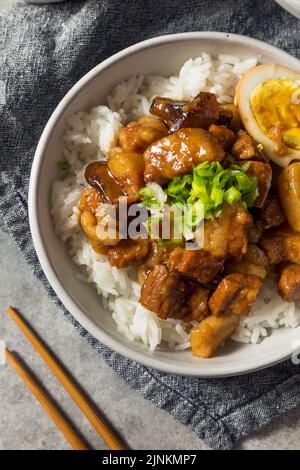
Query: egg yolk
[276,107]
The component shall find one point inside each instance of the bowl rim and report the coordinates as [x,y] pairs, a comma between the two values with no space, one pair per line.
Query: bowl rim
[66,298]
[292,8]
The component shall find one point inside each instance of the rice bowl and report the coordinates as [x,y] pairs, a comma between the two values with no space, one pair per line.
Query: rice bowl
[119,287]
[90,136]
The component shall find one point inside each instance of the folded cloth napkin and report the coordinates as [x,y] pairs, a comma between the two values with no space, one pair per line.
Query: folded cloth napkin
[44,51]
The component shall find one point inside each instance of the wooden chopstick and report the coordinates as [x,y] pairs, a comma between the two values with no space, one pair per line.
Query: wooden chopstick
[50,408]
[97,422]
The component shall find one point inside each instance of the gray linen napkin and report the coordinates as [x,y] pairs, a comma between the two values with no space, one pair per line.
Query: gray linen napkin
[44,51]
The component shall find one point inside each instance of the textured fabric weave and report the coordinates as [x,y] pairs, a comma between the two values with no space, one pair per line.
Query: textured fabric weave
[44,50]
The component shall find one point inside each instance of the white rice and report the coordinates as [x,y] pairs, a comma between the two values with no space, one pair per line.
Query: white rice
[268,313]
[88,137]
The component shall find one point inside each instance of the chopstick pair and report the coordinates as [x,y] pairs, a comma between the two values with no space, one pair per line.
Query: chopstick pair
[63,425]
[70,434]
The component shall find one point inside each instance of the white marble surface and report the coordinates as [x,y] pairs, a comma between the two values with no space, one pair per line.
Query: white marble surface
[6,3]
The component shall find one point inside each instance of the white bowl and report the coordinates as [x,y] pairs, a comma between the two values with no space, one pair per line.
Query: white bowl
[162,55]
[292,6]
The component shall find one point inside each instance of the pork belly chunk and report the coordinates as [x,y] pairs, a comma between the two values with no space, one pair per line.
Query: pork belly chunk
[177,154]
[171,295]
[282,244]
[274,247]
[138,135]
[92,214]
[271,214]
[244,147]
[224,135]
[263,173]
[235,295]
[226,235]
[195,264]
[165,293]
[128,252]
[156,255]
[90,200]
[211,333]
[128,169]
[254,262]
[197,304]
[289,283]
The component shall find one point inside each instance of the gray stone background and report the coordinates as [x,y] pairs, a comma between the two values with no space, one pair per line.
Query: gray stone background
[24,425]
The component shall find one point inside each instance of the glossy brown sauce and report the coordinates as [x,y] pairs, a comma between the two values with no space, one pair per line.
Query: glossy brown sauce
[98,175]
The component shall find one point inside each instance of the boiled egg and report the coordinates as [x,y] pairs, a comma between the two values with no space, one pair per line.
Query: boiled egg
[268,99]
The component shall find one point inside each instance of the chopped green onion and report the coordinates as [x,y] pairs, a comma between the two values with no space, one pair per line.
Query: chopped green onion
[217,195]
[209,187]
[232,195]
[153,196]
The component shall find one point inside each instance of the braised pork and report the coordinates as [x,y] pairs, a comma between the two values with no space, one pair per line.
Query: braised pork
[235,295]
[177,154]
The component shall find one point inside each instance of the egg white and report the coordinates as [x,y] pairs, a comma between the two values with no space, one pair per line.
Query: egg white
[247,83]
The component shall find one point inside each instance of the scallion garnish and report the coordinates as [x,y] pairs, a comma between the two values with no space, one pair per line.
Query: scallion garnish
[210,185]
